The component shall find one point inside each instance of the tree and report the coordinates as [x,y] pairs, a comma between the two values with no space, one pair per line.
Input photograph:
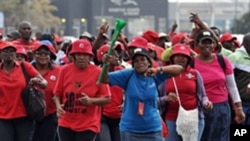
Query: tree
[242,25]
[38,12]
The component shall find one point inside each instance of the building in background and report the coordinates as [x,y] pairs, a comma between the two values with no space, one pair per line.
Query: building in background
[87,15]
[1,22]
[220,13]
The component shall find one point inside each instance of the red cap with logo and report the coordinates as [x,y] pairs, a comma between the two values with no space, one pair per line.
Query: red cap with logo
[101,51]
[104,49]
[227,37]
[138,42]
[81,46]
[181,49]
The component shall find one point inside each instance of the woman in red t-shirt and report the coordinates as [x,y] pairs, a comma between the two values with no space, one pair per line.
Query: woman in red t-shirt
[15,125]
[79,111]
[111,113]
[44,53]
[191,92]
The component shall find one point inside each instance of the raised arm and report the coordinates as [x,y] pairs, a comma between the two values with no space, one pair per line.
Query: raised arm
[172,70]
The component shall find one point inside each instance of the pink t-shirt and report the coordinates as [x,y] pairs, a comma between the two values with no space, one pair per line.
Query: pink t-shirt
[214,78]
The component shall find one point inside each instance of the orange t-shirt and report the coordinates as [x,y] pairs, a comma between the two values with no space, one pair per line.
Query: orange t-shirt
[71,83]
[51,76]
[11,87]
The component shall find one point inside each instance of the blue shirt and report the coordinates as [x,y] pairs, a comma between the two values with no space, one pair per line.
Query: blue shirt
[138,88]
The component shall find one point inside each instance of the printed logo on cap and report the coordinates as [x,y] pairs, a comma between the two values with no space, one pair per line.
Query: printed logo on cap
[81,45]
[206,33]
[138,50]
[53,77]
[182,47]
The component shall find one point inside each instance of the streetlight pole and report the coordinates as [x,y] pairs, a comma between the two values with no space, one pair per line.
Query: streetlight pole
[178,15]
[235,16]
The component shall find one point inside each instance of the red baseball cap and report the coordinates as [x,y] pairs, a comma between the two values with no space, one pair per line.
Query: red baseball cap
[119,44]
[181,49]
[156,48]
[48,45]
[151,36]
[57,38]
[101,51]
[178,37]
[81,46]
[227,37]
[21,50]
[104,49]
[237,43]
[6,44]
[138,42]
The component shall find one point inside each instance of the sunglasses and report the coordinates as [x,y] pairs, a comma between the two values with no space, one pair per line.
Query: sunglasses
[42,52]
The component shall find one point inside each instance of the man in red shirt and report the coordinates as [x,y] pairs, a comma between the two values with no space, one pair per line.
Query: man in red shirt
[26,41]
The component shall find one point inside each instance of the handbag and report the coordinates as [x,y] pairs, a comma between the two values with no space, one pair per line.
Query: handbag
[33,99]
[187,121]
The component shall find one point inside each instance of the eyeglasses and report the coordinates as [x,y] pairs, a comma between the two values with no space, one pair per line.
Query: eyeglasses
[42,52]
[8,50]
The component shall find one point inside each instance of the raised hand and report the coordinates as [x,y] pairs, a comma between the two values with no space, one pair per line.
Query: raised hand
[104,28]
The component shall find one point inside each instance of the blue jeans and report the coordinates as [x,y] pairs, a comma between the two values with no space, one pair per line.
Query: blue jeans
[129,136]
[173,135]
[66,134]
[217,123]
[46,129]
[109,130]
[246,110]
[19,129]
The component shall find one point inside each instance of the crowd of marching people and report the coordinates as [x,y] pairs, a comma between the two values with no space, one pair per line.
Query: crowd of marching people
[157,86]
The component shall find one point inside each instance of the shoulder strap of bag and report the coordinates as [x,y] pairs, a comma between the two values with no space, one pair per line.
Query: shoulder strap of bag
[221,61]
[191,64]
[26,76]
[176,91]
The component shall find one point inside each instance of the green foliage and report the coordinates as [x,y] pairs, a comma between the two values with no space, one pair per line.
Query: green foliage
[242,25]
[38,12]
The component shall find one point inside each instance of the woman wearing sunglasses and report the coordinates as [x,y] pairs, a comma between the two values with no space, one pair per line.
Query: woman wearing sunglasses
[44,54]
